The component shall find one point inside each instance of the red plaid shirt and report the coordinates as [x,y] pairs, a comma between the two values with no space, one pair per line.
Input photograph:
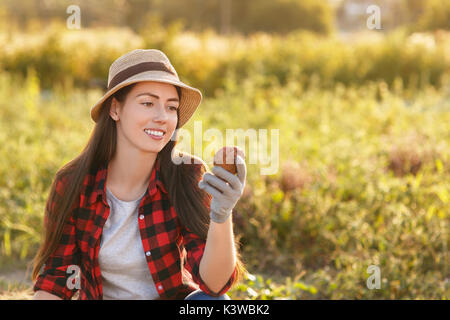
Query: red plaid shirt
[172,251]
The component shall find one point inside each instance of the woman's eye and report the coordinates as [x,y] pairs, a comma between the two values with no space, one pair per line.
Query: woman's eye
[173,108]
[146,103]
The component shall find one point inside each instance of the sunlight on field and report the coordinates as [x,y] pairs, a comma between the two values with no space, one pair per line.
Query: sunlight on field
[364,160]
[26,294]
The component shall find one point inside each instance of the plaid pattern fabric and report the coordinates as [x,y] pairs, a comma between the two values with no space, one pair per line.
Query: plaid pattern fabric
[172,251]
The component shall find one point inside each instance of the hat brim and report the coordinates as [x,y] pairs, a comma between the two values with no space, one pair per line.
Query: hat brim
[190,97]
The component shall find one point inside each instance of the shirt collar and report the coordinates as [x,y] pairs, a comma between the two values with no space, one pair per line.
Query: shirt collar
[99,188]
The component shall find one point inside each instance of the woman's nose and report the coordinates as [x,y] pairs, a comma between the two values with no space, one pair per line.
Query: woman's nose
[161,113]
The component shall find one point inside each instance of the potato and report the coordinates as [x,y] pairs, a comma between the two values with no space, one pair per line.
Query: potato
[226,158]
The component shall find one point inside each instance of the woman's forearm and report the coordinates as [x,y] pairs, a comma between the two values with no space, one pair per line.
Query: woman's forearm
[219,257]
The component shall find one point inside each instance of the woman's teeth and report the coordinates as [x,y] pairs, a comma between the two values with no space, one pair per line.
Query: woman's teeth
[155,133]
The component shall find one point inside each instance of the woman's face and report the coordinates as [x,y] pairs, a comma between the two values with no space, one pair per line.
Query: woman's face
[149,105]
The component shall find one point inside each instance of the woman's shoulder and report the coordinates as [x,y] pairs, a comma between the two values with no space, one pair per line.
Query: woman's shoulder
[62,179]
[65,179]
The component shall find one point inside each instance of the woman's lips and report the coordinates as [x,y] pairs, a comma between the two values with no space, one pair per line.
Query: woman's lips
[153,136]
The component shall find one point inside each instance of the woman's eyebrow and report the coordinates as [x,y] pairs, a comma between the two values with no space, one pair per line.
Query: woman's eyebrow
[155,96]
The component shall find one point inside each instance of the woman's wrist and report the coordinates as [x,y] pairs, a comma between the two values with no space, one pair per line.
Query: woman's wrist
[219,218]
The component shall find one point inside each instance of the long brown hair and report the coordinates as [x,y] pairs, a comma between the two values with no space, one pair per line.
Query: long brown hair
[189,203]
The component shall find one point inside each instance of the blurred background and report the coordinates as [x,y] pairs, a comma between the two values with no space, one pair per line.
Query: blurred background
[358,89]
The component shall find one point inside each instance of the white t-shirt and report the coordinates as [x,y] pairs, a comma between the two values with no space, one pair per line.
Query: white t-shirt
[123,264]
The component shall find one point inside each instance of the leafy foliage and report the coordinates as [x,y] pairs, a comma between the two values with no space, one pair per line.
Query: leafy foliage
[363,174]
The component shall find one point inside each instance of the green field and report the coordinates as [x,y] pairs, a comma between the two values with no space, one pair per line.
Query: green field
[364,176]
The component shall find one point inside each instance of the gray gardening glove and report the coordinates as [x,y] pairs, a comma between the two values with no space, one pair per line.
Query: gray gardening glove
[224,195]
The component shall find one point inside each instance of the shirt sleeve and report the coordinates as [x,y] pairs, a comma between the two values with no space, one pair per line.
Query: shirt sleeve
[195,248]
[55,277]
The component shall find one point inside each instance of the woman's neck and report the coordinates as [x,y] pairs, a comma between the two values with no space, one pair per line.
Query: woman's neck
[128,175]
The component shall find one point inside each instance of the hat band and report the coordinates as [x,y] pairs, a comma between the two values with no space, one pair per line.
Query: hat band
[137,68]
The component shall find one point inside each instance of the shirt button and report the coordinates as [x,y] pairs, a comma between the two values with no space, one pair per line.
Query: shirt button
[141,217]
[148,253]
[160,287]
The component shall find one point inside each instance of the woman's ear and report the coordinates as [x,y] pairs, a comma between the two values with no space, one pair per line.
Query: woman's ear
[113,110]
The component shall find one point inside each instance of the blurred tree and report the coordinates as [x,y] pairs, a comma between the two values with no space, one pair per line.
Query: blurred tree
[282,16]
[136,13]
[417,15]
[225,21]
[249,16]
[195,14]
[436,15]
[415,9]
[100,12]
[245,16]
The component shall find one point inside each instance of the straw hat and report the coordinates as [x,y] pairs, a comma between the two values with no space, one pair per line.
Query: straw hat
[148,65]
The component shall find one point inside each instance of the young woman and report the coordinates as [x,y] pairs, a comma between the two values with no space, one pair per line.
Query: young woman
[123,219]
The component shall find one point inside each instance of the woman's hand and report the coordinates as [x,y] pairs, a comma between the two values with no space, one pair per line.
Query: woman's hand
[225,189]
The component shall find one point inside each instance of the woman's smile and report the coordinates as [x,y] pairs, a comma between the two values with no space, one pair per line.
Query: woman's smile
[154,134]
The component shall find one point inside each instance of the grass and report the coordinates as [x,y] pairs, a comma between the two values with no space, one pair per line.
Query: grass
[362,180]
